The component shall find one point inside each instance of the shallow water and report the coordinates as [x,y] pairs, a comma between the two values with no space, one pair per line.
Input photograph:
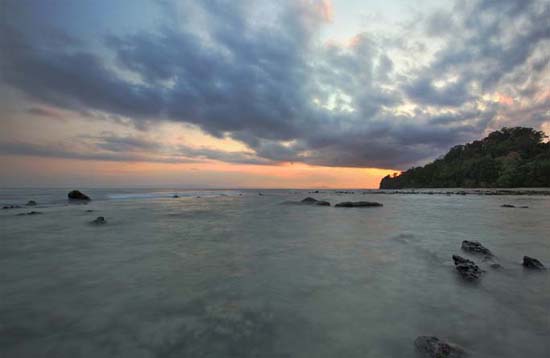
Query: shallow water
[236,274]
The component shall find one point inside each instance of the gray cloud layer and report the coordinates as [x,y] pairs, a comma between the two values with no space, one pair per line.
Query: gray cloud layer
[275,88]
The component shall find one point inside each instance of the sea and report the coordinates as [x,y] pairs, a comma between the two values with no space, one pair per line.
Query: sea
[240,273]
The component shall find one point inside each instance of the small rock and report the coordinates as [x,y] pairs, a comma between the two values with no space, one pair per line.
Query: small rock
[175,196]
[433,347]
[467,268]
[31,203]
[30,213]
[475,247]
[77,195]
[532,263]
[495,265]
[11,207]
[100,220]
[524,207]
[507,206]
[90,211]
[358,204]
[309,200]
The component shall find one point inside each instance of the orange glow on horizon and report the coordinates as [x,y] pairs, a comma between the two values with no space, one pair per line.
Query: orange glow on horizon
[204,174]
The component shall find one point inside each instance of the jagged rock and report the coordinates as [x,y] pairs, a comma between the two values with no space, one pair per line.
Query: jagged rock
[467,268]
[100,220]
[475,247]
[31,203]
[532,263]
[77,195]
[434,347]
[358,204]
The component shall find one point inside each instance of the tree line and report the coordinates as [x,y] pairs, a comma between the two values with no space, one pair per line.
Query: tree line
[507,158]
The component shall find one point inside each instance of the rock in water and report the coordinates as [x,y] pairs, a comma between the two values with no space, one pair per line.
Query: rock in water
[358,204]
[100,220]
[433,347]
[309,200]
[467,268]
[532,263]
[77,195]
[475,247]
[31,203]
[30,213]
[507,206]
[11,207]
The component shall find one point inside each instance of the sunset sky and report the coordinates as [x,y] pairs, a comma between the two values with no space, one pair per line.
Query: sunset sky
[293,94]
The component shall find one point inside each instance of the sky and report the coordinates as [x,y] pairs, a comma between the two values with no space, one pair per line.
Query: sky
[260,94]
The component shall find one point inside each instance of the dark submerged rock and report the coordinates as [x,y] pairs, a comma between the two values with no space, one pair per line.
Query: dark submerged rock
[6,207]
[467,268]
[358,204]
[100,220]
[475,247]
[532,263]
[31,203]
[77,195]
[309,200]
[433,347]
[507,206]
[30,213]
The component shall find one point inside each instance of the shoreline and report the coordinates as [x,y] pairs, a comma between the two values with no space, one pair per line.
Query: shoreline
[481,192]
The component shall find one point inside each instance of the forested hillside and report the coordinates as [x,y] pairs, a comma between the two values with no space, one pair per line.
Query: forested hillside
[507,158]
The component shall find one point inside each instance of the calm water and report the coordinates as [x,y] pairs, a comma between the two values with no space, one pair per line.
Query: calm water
[235,274]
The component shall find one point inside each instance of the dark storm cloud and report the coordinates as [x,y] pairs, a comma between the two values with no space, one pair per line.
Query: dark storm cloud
[274,88]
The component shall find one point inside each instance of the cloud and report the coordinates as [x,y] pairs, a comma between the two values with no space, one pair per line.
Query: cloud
[67,152]
[112,147]
[256,72]
[44,112]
